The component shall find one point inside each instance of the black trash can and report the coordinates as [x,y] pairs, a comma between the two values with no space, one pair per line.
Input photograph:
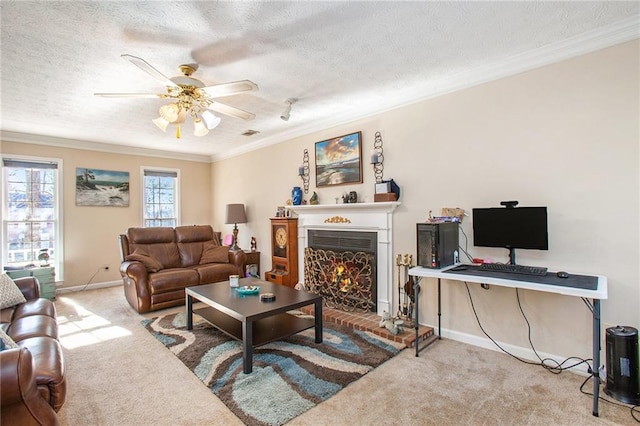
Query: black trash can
[623,378]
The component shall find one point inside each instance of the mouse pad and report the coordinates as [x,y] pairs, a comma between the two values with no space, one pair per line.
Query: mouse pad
[585,282]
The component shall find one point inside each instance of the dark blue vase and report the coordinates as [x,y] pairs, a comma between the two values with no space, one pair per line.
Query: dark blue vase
[296,195]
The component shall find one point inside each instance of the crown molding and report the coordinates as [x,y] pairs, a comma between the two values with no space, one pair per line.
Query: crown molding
[591,41]
[8,136]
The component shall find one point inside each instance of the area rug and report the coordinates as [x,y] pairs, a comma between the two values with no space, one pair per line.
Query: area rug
[289,377]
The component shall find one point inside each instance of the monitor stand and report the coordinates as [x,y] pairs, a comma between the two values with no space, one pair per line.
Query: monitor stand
[512,255]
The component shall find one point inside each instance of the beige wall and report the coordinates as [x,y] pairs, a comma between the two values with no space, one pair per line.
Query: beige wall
[90,233]
[565,136]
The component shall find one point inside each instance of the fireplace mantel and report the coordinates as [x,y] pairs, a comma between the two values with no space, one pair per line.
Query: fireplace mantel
[374,217]
[384,207]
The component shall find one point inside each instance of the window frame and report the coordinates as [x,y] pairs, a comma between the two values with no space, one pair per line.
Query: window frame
[176,195]
[58,261]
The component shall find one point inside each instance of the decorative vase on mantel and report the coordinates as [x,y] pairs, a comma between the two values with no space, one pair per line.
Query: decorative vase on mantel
[296,196]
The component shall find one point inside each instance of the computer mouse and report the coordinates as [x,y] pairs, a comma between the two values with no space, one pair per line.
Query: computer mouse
[562,274]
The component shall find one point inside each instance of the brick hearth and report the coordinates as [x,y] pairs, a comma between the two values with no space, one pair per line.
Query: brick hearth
[369,321]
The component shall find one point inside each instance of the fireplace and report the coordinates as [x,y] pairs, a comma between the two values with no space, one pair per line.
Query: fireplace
[342,267]
[360,218]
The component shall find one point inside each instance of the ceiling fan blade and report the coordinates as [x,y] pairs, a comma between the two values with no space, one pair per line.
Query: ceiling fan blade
[231,111]
[228,89]
[146,67]
[130,95]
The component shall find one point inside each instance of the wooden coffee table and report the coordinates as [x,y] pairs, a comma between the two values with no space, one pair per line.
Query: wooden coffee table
[249,320]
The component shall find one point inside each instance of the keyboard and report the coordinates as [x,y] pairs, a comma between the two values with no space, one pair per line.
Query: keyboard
[514,269]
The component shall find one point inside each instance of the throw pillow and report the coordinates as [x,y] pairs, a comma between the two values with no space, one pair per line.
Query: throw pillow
[149,262]
[212,253]
[6,341]
[10,294]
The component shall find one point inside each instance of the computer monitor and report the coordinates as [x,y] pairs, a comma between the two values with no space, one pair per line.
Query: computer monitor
[511,228]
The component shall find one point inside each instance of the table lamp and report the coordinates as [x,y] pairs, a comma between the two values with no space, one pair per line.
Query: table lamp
[235,215]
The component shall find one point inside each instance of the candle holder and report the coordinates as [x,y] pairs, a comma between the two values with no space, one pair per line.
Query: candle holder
[377,158]
[303,171]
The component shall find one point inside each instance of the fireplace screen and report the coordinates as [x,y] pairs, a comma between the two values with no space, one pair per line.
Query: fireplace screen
[344,279]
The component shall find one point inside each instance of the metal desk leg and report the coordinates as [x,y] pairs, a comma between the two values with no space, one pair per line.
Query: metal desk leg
[439,311]
[596,355]
[416,289]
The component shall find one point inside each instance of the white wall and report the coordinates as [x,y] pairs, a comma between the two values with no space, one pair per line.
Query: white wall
[565,136]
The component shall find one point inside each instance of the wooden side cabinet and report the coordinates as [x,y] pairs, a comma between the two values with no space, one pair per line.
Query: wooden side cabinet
[284,252]
[253,262]
[46,276]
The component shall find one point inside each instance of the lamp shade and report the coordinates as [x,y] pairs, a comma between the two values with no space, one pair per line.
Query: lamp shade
[199,128]
[210,119]
[161,123]
[235,214]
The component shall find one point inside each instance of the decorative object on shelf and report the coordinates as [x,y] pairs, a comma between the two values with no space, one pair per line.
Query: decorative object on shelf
[286,114]
[303,171]
[337,219]
[296,196]
[314,199]
[102,188]
[253,244]
[387,190]
[235,215]
[350,197]
[43,257]
[339,160]
[280,211]
[377,158]
[189,98]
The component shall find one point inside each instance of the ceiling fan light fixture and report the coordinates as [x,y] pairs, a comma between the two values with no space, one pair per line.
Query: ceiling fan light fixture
[211,120]
[161,123]
[182,116]
[200,128]
[170,112]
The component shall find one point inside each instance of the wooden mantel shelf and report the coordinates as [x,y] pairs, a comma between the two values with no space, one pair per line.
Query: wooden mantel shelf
[382,207]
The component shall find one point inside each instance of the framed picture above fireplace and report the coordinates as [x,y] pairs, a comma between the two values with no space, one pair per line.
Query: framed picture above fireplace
[339,160]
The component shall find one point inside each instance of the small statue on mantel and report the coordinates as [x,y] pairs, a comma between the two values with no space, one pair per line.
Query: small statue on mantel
[314,199]
[253,244]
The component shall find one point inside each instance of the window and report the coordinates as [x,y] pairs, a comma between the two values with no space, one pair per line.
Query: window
[161,199]
[31,212]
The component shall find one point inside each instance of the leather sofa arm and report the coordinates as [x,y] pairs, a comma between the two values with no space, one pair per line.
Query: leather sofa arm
[20,399]
[136,285]
[29,286]
[239,259]
[133,269]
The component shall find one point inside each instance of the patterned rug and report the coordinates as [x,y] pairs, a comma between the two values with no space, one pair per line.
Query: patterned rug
[289,376]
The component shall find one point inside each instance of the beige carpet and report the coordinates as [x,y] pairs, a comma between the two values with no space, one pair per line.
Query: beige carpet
[118,374]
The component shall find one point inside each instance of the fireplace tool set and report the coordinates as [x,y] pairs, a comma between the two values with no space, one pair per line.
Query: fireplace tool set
[406,290]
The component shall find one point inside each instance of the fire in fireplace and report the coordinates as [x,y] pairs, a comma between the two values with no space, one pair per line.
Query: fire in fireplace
[341,266]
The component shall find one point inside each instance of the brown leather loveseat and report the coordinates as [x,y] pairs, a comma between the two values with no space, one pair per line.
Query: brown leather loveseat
[159,263]
[33,385]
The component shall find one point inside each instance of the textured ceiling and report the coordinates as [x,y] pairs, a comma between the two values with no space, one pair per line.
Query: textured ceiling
[341,60]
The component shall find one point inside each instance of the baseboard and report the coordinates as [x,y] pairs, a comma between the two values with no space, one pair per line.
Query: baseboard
[93,286]
[520,352]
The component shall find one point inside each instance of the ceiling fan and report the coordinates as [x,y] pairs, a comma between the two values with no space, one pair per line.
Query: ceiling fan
[190,97]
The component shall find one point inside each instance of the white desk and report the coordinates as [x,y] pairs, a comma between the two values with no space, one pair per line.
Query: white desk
[494,278]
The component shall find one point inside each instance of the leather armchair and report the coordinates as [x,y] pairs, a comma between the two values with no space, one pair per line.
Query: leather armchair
[21,401]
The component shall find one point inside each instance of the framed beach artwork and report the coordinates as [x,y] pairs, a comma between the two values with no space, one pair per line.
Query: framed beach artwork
[339,160]
[101,188]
